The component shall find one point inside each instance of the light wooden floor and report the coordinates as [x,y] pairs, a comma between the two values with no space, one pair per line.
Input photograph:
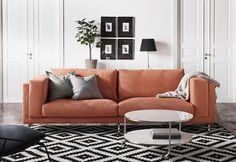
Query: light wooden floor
[226,115]
[10,113]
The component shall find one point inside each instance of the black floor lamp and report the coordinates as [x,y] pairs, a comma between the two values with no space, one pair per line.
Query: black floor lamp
[148,45]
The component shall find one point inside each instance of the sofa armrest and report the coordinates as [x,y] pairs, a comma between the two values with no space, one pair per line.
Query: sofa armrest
[25,102]
[38,92]
[203,97]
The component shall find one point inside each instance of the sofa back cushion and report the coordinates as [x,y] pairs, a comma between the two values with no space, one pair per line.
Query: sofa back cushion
[106,79]
[147,83]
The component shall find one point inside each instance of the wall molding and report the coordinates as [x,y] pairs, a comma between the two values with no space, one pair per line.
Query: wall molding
[176,9]
[62,34]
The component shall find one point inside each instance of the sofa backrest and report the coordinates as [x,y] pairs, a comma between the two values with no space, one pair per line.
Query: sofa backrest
[107,79]
[147,83]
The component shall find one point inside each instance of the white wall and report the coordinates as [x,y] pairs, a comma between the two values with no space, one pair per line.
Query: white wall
[153,18]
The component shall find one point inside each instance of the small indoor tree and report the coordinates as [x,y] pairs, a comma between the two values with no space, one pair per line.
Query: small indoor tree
[87,34]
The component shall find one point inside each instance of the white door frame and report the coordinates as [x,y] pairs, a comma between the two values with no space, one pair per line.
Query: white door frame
[62,36]
[233,19]
[176,28]
[1,54]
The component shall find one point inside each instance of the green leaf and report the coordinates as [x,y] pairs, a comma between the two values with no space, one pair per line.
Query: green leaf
[87,32]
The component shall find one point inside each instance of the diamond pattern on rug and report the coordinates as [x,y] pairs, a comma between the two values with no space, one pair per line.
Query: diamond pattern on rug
[194,129]
[184,149]
[84,155]
[222,134]
[187,160]
[58,148]
[117,160]
[231,147]
[94,129]
[24,156]
[117,148]
[112,135]
[65,135]
[215,155]
[148,155]
[206,141]
[89,141]
[103,143]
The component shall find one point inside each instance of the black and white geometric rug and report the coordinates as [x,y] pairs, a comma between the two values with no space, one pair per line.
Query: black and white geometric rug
[103,143]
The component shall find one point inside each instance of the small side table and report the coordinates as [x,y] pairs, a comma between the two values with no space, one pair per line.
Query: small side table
[16,138]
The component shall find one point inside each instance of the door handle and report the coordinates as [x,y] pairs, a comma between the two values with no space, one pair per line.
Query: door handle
[29,55]
[208,54]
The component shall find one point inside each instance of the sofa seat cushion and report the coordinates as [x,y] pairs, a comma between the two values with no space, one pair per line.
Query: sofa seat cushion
[80,108]
[139,103]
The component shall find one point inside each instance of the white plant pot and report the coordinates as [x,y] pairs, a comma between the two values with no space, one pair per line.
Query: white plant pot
[91,64]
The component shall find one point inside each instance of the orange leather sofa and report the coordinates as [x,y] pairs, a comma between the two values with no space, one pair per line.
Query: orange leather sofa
[123,91]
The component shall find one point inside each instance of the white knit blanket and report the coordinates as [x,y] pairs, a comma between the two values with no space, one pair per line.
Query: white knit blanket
[182,90]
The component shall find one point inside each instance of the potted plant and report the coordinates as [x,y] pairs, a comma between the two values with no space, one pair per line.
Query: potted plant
[87,34]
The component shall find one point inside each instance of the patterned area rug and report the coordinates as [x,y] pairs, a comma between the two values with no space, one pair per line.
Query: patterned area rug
[103,143]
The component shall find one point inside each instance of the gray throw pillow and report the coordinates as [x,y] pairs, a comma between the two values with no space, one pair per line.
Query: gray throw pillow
[85,87]
[59,87]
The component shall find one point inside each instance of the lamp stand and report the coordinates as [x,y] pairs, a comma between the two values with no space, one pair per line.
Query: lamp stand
[148,65]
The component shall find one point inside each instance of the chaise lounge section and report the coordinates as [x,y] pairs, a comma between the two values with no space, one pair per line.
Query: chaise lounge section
[123,91]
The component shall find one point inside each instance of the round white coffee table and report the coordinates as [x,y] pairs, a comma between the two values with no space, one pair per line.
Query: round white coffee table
[156,116]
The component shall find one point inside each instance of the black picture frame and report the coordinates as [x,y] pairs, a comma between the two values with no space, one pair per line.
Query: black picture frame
[108,26]
[108,49]
[126,49]
[126,27]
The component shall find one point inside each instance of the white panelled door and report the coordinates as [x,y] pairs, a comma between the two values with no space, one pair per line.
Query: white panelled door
[221,59]
[192,35]
[206,41]
[32,42]
[15,48]
[47,42]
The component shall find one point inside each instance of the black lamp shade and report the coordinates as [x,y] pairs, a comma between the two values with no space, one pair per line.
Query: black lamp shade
[148,45]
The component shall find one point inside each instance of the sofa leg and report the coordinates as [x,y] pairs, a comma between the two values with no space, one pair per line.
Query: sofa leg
[209,127]
[118,127]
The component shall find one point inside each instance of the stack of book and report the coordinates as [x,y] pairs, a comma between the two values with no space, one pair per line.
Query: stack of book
[163,133]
